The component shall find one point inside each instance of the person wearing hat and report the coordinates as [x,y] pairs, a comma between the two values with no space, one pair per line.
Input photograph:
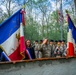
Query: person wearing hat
[55,43]
[59,50]
[64,48]
[41,41]
[36,48]
[45,49]
[40,53]
[52,47]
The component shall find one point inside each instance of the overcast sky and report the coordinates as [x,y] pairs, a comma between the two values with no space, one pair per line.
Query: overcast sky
[52,4]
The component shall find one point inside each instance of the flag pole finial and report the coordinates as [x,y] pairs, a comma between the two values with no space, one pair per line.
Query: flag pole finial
[24,6]
[66,11]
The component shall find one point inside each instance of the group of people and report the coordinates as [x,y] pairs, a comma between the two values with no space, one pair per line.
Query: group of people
[45,49]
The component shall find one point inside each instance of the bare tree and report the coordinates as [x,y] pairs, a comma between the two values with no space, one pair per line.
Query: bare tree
[75,9]
[10,6]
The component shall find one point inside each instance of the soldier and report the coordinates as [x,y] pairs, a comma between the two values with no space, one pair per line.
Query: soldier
[64,47]
[59,50]
[45,49]
[40,54]
[52,47]
[55,43]
[41,41]
[36,48]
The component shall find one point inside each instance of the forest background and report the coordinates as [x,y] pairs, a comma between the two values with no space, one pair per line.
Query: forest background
[42,17]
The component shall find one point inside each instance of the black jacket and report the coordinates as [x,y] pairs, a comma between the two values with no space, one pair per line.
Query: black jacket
[32,53]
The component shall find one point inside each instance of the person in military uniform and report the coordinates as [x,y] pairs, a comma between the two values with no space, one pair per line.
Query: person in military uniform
[45,49]
[59,50]
[41,41]
[55,43]
[36,48]
[64,48]
[52,47]
[40,44]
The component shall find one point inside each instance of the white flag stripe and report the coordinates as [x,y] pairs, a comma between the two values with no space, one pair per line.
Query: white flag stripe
[21,30]
[11,43]
[70,38]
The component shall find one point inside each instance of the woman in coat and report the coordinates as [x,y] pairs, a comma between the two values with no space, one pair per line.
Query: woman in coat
[29,52]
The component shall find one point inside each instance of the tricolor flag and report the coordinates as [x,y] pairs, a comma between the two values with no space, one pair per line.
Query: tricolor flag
[71,37]
[12,37]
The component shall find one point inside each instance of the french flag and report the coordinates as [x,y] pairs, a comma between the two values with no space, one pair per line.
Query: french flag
[71,37]
[12,41]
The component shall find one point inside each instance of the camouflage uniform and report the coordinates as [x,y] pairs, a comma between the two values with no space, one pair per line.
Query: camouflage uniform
[46,50]
[52,47]
[37,48]
[64,50]
[40,53]
[52,50]
[58,51]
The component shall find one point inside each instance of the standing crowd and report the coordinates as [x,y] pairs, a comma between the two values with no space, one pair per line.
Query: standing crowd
[45,49]
[42,49]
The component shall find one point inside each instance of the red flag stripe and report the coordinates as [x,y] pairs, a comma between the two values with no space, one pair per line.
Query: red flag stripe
[16,55]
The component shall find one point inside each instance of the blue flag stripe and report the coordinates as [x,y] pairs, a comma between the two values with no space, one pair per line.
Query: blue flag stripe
[5,56]
[8,27]
[72,27]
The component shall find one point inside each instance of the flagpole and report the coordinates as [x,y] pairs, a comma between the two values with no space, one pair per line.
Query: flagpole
[61,22]
[70,36]
[24,17]
[24,5]
[75,10]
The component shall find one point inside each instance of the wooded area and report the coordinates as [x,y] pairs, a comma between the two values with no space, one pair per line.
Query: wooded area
[42,19]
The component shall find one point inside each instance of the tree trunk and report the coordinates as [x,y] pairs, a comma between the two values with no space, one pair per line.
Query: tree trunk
[8,7]
[43,26]
[75,9]
[75,6]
